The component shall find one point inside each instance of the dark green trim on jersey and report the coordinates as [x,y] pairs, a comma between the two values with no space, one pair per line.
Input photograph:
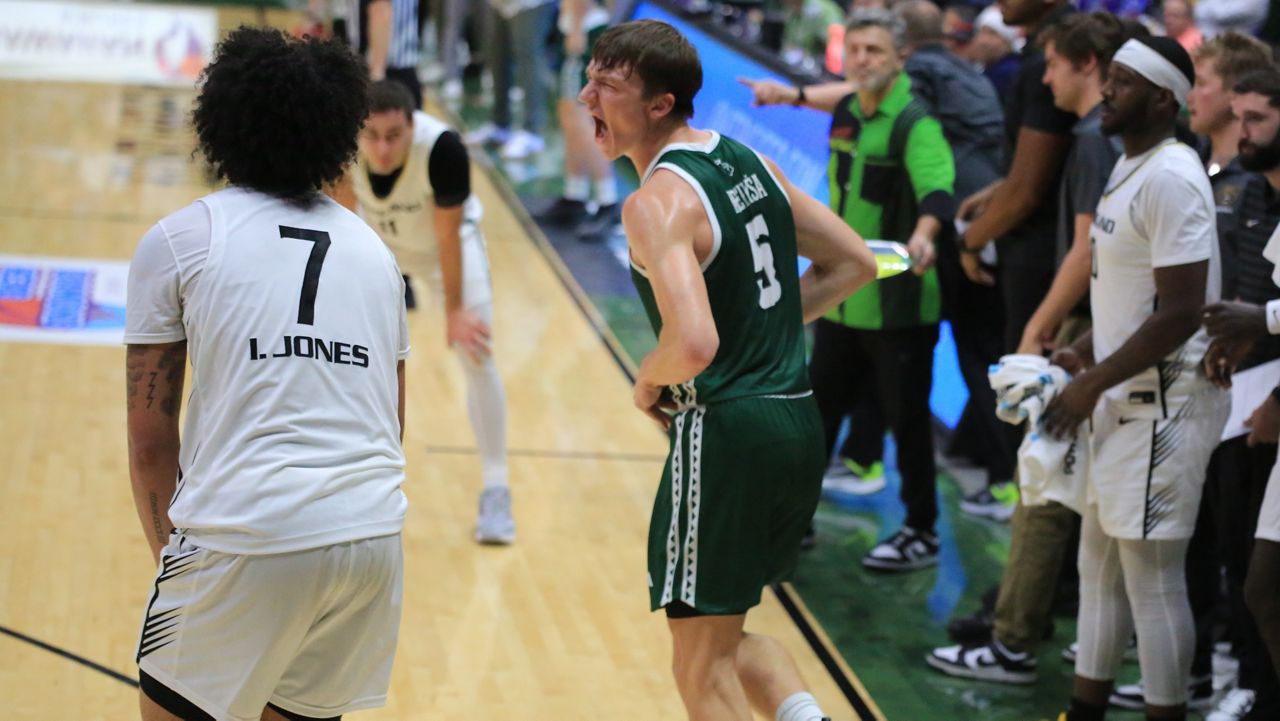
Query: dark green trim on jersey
[885,170]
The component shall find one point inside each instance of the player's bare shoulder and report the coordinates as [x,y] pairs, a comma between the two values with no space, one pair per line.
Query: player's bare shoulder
[665,209]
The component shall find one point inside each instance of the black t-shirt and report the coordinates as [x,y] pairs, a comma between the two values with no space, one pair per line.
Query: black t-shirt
[448,171]
[1248,274]
[1030,105]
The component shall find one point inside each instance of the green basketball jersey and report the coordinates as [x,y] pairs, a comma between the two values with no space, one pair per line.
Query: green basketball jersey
[752,275]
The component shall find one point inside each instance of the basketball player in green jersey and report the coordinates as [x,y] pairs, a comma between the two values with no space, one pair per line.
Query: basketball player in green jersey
[714,234]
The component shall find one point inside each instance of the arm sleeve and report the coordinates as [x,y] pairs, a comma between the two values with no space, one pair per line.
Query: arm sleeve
[153,309]
[932,170]
[449,171]
[1273,317]
[1178,218]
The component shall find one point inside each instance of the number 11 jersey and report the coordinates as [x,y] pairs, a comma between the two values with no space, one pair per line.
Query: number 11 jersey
[752,274]
[294,319]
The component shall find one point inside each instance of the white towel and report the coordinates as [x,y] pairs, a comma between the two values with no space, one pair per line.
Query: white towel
[1048,469]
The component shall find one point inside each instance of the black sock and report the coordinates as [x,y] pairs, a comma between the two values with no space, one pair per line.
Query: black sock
[1084,711]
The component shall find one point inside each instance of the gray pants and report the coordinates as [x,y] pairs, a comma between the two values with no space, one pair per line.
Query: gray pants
[520,41]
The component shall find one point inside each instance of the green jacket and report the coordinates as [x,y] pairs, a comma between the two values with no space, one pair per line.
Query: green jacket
[885,170]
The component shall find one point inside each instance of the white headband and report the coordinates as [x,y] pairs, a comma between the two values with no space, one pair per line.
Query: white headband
[1154,67]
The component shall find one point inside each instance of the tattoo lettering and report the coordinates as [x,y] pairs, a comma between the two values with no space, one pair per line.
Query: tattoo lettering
[157,519]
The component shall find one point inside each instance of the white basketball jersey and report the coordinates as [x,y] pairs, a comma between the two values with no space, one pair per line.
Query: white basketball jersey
[1157,211]
[404,219]
[294,331]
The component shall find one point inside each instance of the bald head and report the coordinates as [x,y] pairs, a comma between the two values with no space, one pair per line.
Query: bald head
[923,20]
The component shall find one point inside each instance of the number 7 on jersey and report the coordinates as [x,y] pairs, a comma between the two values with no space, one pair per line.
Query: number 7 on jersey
[311,277]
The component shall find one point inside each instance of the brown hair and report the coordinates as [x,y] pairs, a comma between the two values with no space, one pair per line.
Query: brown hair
[1234,56]
[1265,82]
[659,54]
[1098,35]
[386,95]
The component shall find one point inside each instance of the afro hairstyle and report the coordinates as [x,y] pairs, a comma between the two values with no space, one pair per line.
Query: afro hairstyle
[278,114]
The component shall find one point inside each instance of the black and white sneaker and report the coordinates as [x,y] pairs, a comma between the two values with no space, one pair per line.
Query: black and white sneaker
[1235,706]
[1199,695]
[906,550]
[986,662]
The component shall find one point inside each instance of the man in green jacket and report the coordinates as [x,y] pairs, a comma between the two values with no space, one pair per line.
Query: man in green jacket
[891,174]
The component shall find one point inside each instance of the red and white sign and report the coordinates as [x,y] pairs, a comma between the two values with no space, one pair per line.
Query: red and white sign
[109,43]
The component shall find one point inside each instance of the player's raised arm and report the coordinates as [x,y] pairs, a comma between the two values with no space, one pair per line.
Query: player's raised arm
[662,219]
[842,262]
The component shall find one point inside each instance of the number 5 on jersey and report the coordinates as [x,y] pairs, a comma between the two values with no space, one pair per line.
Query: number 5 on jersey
[762,254]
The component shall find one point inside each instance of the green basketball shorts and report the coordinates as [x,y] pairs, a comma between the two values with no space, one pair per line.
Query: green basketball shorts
[739,490]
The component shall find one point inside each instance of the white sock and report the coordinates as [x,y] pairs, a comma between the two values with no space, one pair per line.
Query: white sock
[606,191]
[800,706]
[487,407]
[577,187]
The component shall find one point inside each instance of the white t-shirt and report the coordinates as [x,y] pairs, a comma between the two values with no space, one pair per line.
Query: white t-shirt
[294,320]
[404,219]
[1157,211]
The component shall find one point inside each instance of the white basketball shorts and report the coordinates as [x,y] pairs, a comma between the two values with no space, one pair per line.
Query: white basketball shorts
[312,632]
[1146,475]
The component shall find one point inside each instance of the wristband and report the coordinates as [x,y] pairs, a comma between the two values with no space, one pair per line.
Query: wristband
[1273,317]
[800,98]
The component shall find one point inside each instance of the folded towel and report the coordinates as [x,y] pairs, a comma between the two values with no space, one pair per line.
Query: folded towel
[1048,469]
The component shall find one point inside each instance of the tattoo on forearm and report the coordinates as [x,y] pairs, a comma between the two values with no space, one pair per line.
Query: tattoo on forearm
[151,388]
[157,519]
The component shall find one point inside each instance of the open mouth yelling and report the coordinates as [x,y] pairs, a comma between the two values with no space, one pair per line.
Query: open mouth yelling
[601,128]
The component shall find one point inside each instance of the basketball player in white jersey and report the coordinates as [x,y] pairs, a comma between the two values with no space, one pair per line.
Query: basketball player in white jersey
[276,519]
[412,183]
[1155,419]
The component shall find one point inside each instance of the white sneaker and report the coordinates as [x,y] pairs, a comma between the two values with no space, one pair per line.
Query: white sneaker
[488,134]
[1131,696]
[521,145]
[1233,707]
[494,524]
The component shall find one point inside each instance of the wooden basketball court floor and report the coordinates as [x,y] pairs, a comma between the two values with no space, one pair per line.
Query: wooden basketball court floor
[553,628]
